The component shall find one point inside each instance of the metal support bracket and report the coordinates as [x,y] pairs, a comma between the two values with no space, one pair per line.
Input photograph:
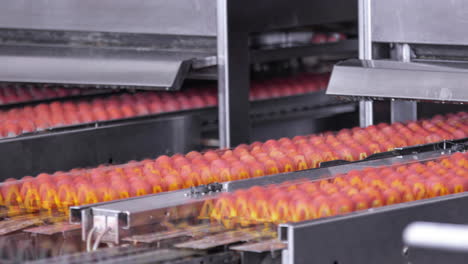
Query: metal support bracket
[205,189]
[366,113]
[402,111]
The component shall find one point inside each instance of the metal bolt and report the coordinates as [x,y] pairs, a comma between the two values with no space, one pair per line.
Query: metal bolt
[405,251]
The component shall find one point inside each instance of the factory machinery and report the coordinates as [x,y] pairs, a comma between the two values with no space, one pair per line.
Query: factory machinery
[47,44]
[108,214]
[330,197]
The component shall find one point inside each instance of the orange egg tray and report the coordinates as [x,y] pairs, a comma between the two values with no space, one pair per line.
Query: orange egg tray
[344,193]
[60,190]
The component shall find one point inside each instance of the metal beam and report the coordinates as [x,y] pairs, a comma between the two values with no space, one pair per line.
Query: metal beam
[181,17]
[401,111]
[234,77]
[366,107]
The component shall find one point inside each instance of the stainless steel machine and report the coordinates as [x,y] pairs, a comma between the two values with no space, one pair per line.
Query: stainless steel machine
[156,44]
[406,55]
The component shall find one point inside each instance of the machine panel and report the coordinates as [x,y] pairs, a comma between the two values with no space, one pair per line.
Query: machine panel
[194,17]
[419,21]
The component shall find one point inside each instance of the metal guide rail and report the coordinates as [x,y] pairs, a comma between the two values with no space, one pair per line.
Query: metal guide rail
[423,81]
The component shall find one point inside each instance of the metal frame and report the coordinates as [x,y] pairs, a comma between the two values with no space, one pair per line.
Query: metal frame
[83,66]
[373,236]
[401,111]
[420,22]
[431,256]
[139,16]
[386,36]
[366,113]
[234,25]
[342,49]
[395,80]
[233,71]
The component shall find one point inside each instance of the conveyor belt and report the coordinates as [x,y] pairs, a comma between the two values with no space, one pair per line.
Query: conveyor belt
[179,131]
[251,214]
[356,190]
[184,205]
[83,186]
[91,110]
[344,193]
[54,114]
